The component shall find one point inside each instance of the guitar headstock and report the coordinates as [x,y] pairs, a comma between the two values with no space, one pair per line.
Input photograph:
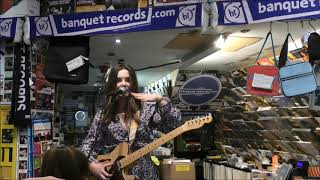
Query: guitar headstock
[197,123]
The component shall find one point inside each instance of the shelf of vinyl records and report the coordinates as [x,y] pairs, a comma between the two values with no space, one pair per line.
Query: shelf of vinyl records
[162,86]
[275,123]
[213,169]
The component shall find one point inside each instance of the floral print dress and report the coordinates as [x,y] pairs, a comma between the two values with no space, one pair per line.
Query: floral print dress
[104,138]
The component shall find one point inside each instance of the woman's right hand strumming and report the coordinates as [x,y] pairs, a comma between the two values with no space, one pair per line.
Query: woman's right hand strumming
[99,170]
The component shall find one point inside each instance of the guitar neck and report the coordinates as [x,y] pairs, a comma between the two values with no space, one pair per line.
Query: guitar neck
[150,147]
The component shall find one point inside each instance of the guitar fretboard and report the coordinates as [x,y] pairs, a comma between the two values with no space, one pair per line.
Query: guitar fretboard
[150,147]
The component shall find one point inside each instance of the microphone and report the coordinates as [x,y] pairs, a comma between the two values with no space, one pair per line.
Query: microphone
[121,90]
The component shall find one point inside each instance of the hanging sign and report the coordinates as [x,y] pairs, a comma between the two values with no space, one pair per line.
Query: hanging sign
[248,12]
[117,21]
[8,28]
[20,105]
[200,90]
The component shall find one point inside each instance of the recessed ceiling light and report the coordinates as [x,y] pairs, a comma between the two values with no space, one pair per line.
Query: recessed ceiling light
[118,41]
[244,30]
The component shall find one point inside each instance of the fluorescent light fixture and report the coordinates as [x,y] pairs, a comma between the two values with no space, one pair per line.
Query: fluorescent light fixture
[221,41]
[118,41]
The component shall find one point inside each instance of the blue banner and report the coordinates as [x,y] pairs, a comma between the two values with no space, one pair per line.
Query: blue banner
[117,21]
[8,28]
[256,11]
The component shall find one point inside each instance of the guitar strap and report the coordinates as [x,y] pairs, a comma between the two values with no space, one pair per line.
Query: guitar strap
[133,129]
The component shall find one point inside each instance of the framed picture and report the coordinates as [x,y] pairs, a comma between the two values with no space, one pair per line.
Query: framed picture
[44,146]
[22,176]
[8,64]
[23,153]
[7,135]
[8,85]
[37,162]
[23,139]
[7,97]
[22,164]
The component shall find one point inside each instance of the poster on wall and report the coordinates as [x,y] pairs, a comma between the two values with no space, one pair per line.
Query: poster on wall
[42,137]
[41,129]
[43,94]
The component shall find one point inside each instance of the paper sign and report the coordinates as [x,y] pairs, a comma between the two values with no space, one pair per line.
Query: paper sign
[262,81]
[76,63]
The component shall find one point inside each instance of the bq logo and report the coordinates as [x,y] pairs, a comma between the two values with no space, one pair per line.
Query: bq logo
[233,12]
[186,16]
[43,26]
[5,27]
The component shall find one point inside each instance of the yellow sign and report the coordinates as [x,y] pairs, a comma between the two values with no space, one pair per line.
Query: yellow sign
[180,167]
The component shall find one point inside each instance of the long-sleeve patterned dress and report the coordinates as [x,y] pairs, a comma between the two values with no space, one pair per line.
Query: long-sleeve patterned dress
[102,137]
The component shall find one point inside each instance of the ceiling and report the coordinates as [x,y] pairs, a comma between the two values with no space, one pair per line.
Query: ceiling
[144,49]
[226,61]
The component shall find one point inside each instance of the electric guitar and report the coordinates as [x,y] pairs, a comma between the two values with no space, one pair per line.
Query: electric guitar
[120,158]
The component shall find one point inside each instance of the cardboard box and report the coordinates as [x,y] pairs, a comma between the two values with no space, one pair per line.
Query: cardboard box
[177,171]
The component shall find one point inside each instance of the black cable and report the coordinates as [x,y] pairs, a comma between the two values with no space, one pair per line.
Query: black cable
[151,67]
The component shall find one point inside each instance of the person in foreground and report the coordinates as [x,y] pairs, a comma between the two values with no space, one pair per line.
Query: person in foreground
[130,117]
[65,163]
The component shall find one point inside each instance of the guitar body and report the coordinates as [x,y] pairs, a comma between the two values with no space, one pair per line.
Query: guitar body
[118,153]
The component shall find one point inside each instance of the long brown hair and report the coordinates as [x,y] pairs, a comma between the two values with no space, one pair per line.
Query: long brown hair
[133,105]
[66,163]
